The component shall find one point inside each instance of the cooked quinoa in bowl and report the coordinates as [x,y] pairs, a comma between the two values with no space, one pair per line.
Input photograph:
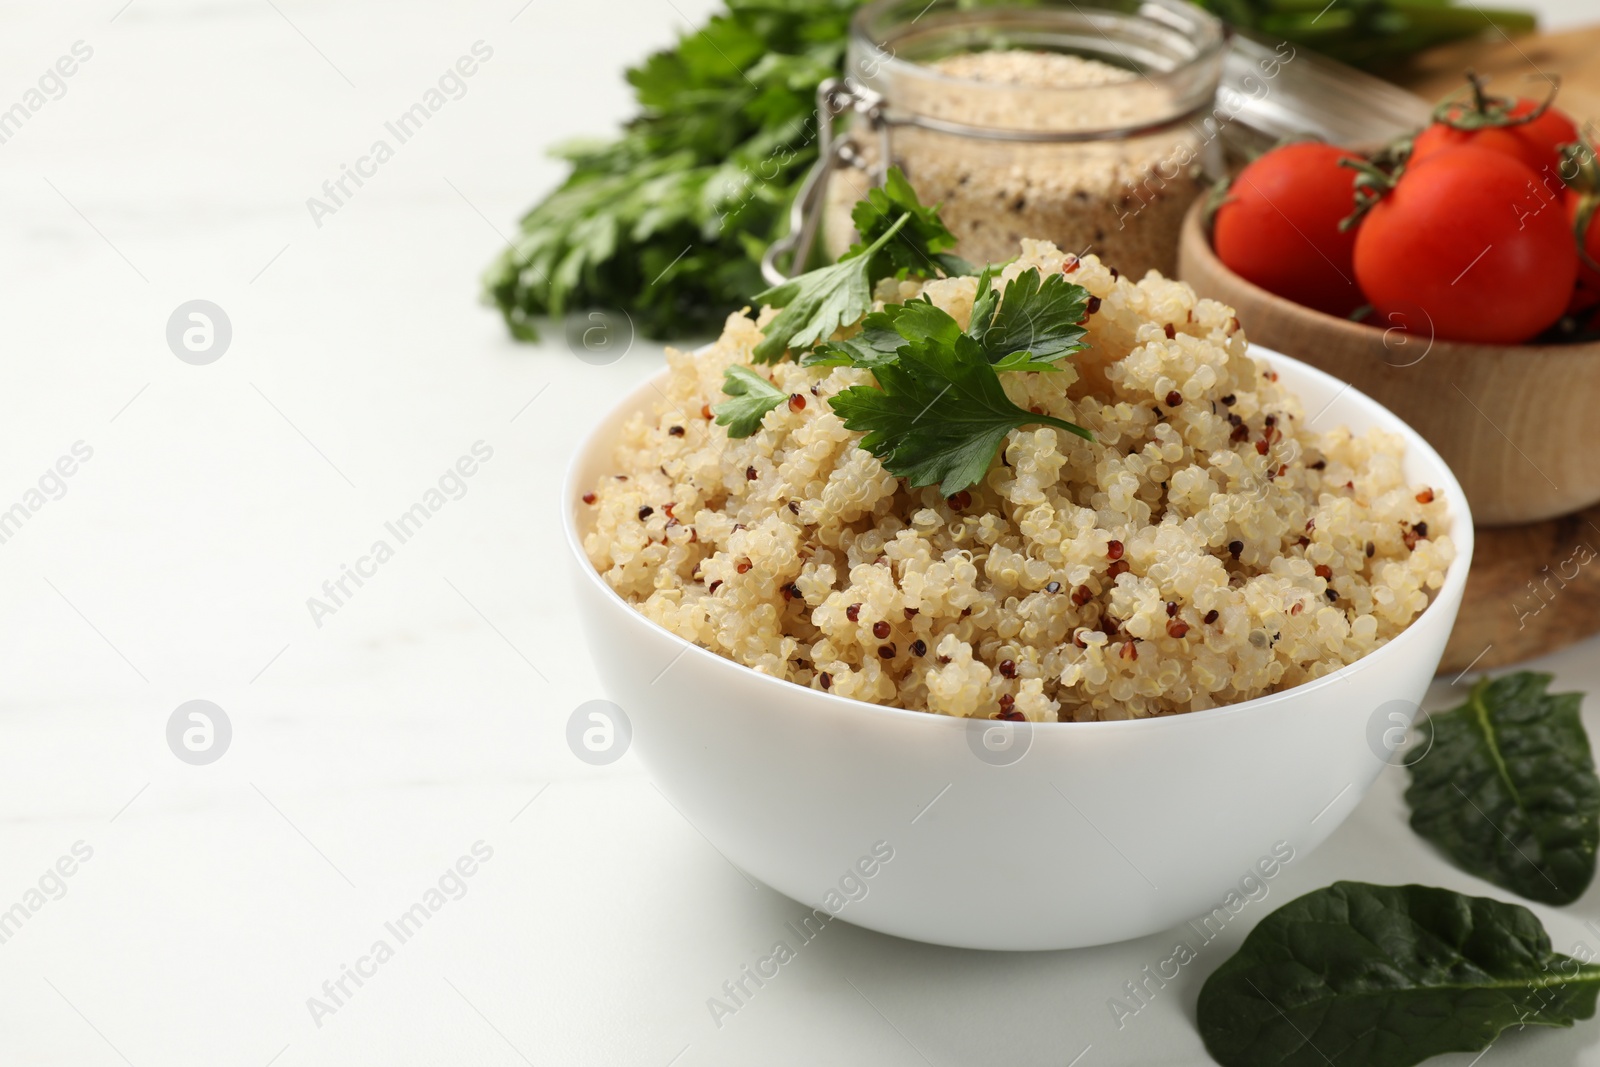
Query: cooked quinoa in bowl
[1210,545]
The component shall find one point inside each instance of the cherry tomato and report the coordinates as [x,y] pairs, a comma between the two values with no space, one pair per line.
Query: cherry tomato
[1279,226]
[1468,246]
[1535,143]
[1588,268]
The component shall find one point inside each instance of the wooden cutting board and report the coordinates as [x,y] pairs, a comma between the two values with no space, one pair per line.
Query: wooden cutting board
[1518,65]
[1532,588]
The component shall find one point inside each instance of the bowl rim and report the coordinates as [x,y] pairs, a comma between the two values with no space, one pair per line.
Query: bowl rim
[1193,238]
[1461,533]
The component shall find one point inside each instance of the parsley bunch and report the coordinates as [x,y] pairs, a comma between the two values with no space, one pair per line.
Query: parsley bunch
[938,413]
[668,222]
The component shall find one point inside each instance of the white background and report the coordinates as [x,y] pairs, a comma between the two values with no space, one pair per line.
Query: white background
[373,751]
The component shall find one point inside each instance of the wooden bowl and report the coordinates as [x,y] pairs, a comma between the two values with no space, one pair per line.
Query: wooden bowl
[1518,424]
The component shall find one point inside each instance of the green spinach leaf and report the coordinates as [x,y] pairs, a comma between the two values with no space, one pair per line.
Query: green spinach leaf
[1508,790]
[1359,975]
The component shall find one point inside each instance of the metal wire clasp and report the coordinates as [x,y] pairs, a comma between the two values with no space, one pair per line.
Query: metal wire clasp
[834,97]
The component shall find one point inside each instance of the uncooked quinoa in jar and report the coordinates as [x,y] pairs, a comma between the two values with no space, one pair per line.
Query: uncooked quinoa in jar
[1124,200]
[1096,154]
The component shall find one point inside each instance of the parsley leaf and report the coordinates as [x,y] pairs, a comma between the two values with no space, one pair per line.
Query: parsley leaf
[983,304]
[820,301]
[858,351]
[752,396]
[923,320]
[924,244]
[1036,317]
[939,415]
[884,333]
[1025,361]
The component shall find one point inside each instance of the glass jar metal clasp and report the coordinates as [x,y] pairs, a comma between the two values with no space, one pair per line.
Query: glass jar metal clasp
[834,97]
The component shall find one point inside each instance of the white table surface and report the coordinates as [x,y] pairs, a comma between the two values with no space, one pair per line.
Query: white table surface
[423,716]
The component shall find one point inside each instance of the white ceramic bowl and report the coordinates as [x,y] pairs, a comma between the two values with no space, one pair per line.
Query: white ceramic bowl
[1054,835]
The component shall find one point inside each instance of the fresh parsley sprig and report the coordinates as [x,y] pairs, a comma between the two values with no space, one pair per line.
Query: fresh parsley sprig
[926,243]
[900,238]
[939,413]
[817,303]
[1029,326]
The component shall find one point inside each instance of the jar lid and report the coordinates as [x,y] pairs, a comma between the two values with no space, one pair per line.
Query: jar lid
[1155,63]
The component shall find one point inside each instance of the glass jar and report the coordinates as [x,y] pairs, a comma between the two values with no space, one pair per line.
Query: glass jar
[1082,122]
